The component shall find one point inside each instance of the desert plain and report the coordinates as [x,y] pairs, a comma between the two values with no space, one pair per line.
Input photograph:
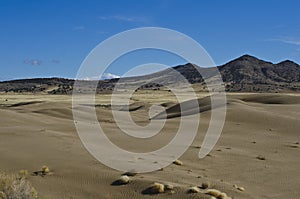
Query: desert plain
[258,149]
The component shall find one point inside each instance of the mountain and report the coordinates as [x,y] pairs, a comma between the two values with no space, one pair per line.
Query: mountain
[36,85]
[244,74]
[247,73]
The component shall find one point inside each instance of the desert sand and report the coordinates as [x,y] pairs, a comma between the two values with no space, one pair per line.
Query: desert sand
[257,155]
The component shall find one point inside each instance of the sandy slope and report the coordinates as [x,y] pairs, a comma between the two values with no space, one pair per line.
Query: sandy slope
[38,130]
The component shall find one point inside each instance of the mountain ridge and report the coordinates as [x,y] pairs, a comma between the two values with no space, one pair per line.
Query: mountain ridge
[243,74]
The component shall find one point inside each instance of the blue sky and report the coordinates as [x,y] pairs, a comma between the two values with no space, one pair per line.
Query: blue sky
[46,38]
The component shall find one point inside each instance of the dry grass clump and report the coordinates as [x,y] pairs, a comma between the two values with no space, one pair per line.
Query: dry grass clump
[205,185]
[217,194]
[23,173]
[42,172]
[239,188]
[194,189]
[155,188]
[178,162]
[14,187]
[261,157]
[124,179]
[169,187]
[45,169]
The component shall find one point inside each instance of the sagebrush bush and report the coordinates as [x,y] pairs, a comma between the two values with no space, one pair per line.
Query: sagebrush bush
[16,187]
[155,188]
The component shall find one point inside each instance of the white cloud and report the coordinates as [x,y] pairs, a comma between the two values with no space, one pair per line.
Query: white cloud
[123,18]
[104,18]
[33,62]
[287,40]
[103,77]
[37,62]
[91,78]
[109,76]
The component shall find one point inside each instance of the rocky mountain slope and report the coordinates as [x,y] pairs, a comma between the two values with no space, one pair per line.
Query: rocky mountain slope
[244,74]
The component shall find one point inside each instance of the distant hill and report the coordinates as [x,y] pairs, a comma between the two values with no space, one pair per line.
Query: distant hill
[48,85]
[244,74]
[247,73]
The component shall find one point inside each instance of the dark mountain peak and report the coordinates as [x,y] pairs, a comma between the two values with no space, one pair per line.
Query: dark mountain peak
[287,63]
[246,57]
[246,61]
[187,65]
[249,59]
[186,68]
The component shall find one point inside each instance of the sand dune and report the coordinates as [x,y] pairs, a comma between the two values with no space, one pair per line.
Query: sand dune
[188,108]
[41,132]
[272,99]
[24,103]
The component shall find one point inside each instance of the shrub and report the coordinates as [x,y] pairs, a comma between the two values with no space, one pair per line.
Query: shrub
[155,188]
[15,187]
